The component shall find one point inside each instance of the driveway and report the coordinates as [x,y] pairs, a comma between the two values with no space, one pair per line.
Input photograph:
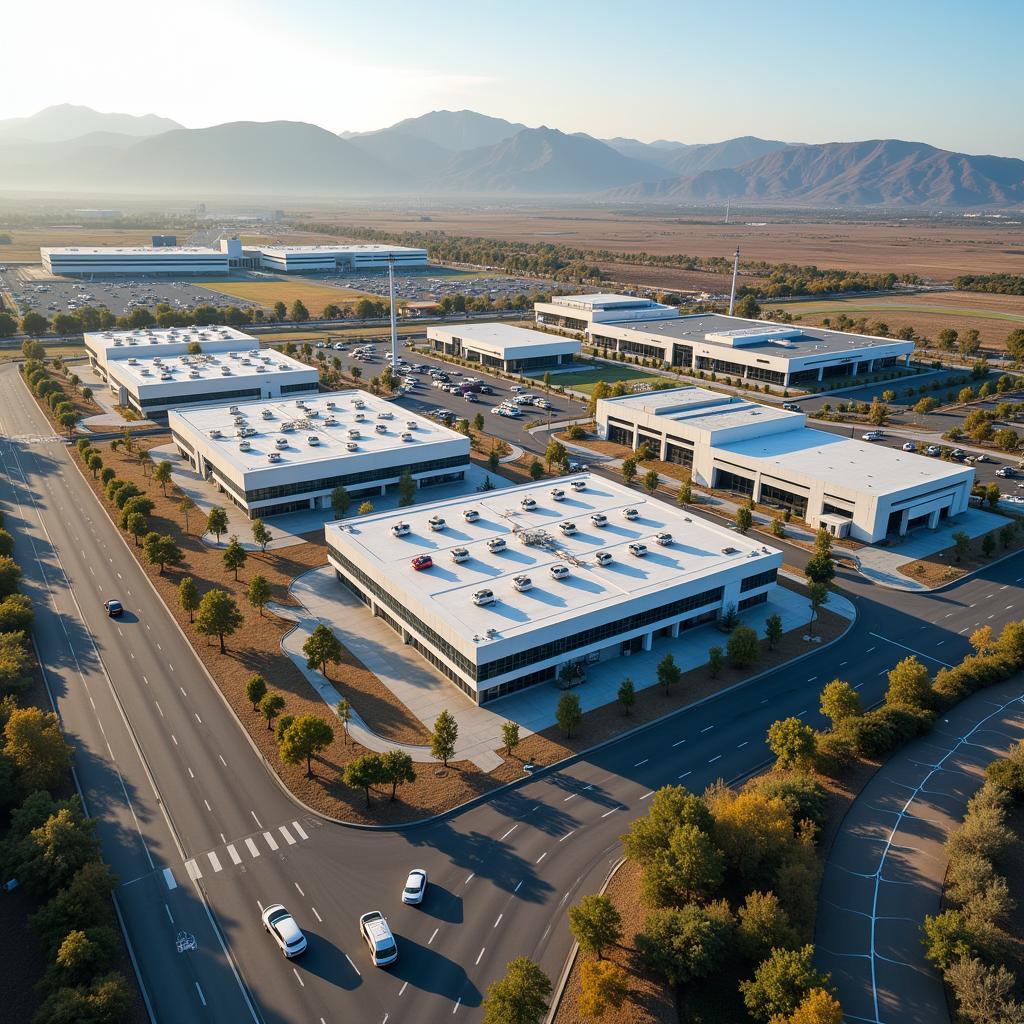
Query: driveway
[886,868]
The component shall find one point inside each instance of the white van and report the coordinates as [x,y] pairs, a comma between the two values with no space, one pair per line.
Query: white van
[375,930]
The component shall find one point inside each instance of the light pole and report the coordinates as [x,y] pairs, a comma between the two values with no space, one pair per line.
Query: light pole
[394,325]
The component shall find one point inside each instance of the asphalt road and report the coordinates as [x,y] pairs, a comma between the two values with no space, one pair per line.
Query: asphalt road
[179,788]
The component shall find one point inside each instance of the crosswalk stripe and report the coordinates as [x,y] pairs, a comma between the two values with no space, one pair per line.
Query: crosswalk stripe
[298,828]
[253,849]
[233,853]
[287,835]
[193,870]
[271,841]
[214,861]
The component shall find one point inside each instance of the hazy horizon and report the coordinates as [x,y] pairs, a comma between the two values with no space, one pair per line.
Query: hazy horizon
[937,73]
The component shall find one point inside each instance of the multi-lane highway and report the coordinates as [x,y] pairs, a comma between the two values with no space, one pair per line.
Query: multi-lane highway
[201,834]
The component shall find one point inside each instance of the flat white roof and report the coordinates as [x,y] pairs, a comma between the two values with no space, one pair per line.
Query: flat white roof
[151,337]
[131,250]
[447,589]
[600,300]
[205,366]
[297,250]
[332,438]
[709,410]
[508,340]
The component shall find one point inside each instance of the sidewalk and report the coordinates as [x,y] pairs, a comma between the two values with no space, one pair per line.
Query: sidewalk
[110,418]
[427,692]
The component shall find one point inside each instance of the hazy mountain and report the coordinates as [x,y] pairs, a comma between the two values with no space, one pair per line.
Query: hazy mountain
[413,158]
[543,161]
[881,172]
[714,156]
[655,152]
[66,121]
[453,130]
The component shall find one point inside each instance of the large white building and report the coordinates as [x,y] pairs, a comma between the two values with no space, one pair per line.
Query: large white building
[853,488]
[291,259]
[581,312]
[517,591]
[108,259]
[502,346]
[287,456]
[755,350]
[104,346]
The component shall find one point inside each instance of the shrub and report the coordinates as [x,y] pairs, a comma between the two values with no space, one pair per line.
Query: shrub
[687,944]
[743,647]
[781,982]
[803,794]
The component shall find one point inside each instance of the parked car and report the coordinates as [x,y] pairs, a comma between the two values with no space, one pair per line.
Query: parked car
[637,549]
[933,450]
[557,494]
[460,554]
[522,583]
[1005,471]
[664,539]
[470,515]
[559,571]
[483,597]
[568,528]
[604,558]
[496,544]
[790,406]
[422,562]
[630,513]
[910,447]
[599,519]
[400,529]
[436,522]
[528,503]
[872,435]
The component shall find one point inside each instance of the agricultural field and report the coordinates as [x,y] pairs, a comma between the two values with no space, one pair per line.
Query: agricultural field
[584,380]
[266,293]
[994,316]
[25,243]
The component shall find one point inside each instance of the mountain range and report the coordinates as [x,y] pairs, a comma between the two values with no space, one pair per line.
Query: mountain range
[466,153]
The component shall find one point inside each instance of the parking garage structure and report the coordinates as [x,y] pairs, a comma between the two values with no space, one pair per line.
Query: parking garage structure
[852,488]
[289,455]
[783,355]
[533,583]
[503,347]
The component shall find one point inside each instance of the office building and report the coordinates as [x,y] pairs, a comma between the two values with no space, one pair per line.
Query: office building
[581,312]
[502,346]
[135,260]
[307,259]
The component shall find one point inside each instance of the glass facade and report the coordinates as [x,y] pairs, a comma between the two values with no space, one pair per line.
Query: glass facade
[762,579]
[678,454]
[207,396]
[726,480]
[772,495]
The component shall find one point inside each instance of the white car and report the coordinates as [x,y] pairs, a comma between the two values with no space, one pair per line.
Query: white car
[528,503]
[599,519]
[460,554]
[567,528]
[374,929]
[603,558]
[630,513]
[578,485]
[933,450]
[496,544]
[910,447]
[483,597]
[436,522]
[559,571]
[470,515]
[522,583]
[872,435]
[637,549]
[415,887]
[287,934]
[557,494]
[664,539]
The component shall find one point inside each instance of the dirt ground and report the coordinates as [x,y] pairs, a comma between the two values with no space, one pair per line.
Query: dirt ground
[943,567]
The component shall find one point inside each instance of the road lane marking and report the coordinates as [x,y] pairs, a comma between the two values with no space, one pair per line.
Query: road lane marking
[298,978]
[541,857]
[289,839]
[714,759]
[647,794]
[210,809]
[566,836]
[921,654]
[480,956]
[157,703]
[498,921]
[683,776]
[253,849]
[214,861]
[644,761]
[434,936]
[458,1003]
[612,811]
[271,841]
[198,719]
[403,988]
[202,998]
[742,745]
[708,729]
[170,916]
[352,964]
[257,820]
[678,743]
[509,832]
[169,879]
[518,887]
[299,888]
[175,738]
[222,761]
[301,831]
[571,796]
[470,879]
[193,870]
[317,915]
[236,857]
[191,774]
[183,693]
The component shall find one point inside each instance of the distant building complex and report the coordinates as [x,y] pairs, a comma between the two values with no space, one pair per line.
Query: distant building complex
[581,312]
[850,487]
[316,258]
[502,346]
[157,259]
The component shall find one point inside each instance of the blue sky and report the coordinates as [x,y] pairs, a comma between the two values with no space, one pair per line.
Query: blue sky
[939,72]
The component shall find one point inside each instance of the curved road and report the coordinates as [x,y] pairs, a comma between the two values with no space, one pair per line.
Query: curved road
[201,834]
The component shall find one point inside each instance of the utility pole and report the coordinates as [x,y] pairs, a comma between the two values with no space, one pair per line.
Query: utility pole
[394,325]
[735,271]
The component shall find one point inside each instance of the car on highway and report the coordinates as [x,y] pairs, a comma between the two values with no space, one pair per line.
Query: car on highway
[373,927]
[114,608]
[981,457]
[415,887]
[421,562]
[287,934]
[1006,471]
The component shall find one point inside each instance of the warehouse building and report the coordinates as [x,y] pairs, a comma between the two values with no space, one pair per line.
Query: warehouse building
[530,582]
[502,346]
[135,260]
[283,456]
[852,488]
[581,312]
[154,384]
[104,346]
[306,259]
[754,350]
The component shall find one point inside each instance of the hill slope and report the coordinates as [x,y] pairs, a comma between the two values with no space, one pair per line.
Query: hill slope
[452,130]
[66,121]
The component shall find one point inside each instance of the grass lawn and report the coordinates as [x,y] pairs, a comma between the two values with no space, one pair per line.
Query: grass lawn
[584,380]
[882,305]
[338,334]
[266,293]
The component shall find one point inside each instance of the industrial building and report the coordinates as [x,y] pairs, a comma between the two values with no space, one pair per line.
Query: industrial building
[513,587]
[502,346]
[282,456]
[581,312]
[157,259]
[103,346]
[306,259]
[852,488]
[754,350]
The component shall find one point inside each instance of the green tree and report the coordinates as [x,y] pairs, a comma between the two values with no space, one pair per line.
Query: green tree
[626,695]
[961,544]
[10,575]
[81,904]
[762,925]
[106,475]
[322,647]
[255,690]
[817,594]
[568,714]
[304,738]
[364,772]
[365,508]
[443,737]
[344,710]
[716,660]
[95,463]
[629,469]
[162,550]
[595,924]
[743,647]
[684,496]
[748,307]
[106,1000]
[839,701]
[493,460]
[651,481]
[992,495]
[668,673]
[83,955]
[792,742]
[946,938]
[406,488]
[162,475]
[686,944]
[781,982]
[187,506]
[691,868]
[15,663]
[820,568]
[988,545]
[188,597]
[478,422]
[744,519]
[217,522]
[670,807]
[218,616]
[258,592]
[261,534]
[299,312]
[16,614]
[555,454]
[137,526]
[35,323]
[140,503]
[340,502]
[520,997]
[48,857]
[271,706]
[397,769]
[536,470]
[35,746]
[773,630]
[510,736]
[234,556]
[603,984]
[909,685]
[926,404]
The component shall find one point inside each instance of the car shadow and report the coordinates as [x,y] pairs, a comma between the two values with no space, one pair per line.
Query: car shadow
[442,904]
[324,959]
[428,970]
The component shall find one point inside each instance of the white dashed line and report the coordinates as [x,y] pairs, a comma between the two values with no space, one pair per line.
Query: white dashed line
[509,832]
[498,921]
[707,728]
[647,794]
[541,857]
[714,759]
[434,936]
[298,888]
[298,978]
[612,811]
[644,761]
[683,776]
[257,820]
[566,836]
[214,861]
[480,955]
[288,838]
[352,964]
[316,914]
[222,761]
[202,998]
[678,743]
[470,879]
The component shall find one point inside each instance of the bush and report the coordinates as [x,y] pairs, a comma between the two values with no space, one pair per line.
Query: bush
[743,647]
[781,982]
[763,925]
[803,794]
[687,944]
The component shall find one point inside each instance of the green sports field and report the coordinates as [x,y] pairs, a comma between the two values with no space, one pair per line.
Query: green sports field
[584,380]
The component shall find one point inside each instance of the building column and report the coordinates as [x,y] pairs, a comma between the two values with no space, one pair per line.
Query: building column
[906,359]
[675,630]
[933,520]
[904,520]
[821,374]
[871,366]
[648,641]
[383,490]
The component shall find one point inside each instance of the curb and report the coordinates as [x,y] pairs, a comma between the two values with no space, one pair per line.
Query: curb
[944,586]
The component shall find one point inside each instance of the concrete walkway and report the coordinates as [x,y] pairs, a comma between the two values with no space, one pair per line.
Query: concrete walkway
[110,418]
[427,692]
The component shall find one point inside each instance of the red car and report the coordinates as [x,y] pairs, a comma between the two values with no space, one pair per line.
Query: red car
[422,562]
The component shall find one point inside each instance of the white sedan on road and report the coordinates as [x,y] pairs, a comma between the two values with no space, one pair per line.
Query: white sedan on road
[415,887]
[287,934]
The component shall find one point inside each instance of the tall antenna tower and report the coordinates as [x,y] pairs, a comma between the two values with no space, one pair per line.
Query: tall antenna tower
[735,271]
[394,325]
